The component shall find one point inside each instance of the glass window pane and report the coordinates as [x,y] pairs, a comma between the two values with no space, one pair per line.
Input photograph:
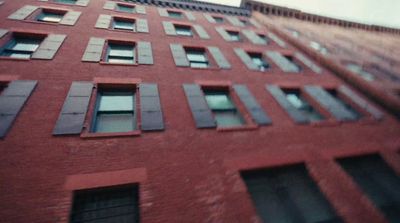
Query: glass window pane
[183,31]
[115,122]
[125,8]
[234,35]
[196,56]
[303,106]
[219,101]
[198,64]
[66,1]
[116,102]
[122,60]
[349,108]
[174,14]
[218,19]
[120,50]
[50,17]
[123,25]
[228,119]
[26,44]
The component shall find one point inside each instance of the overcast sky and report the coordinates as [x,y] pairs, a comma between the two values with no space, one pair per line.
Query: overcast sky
[378,12]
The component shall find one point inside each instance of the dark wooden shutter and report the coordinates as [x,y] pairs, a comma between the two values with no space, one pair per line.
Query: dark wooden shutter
[150,108]
[338,110]
[257,113]
[12,100]
[199,107]
[72,115]
[280,97]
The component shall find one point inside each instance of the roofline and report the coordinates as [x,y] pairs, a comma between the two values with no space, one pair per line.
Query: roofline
[269,9]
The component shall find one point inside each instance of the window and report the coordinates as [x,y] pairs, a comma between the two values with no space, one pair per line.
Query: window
[125,8]
[120,53]
[233,35]
[197,58]
[123,24]
[21,47]
[293,62]
[359,70]
[318,47]
[174,14]
[110,204]
[225,112]
[378,181]
[349,108]
[50,16]
[243,21]
[263,37]
[183,30]
[218,19]
[72,2]
[300,103]
[115,111]
[258,60]
[288,194]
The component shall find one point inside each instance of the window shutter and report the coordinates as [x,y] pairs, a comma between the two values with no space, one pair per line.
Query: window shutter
[234,21]
[94,50]
[255,23]
[223,33]
[280,97]
[202,33]
[362,103]
[253,37]
[209,18]
[246,59]
[103,22]
[219,57]
[70,18]
[257,113]
[12,100]
[150,108]
[169,28]
[145,53]
[179,55]
[329,103]
[283,63]
[23,12]
[308,62]
[109,5]
[202,114]
[82,2]
[140,9]
[3,32]
[72,115]
[142,26]
[49,47]
[163,12]
[277,40]
[190,16]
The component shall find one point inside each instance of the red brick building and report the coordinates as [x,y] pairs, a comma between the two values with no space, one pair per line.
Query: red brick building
[182,111]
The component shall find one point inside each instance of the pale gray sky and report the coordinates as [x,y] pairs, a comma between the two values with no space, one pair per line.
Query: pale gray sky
[378,12]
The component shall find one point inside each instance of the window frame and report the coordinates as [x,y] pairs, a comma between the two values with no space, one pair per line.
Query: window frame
[119,4]
[116,19]
[320,116]
[205,54]
[175,14]
[6,48]
[232,34]
[187,27]
[120,43]
[265,65]
[43,11]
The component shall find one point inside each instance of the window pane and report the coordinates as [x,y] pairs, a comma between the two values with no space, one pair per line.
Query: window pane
[26,44]
[359,70]
[259,61]
[218,19]
[183,31]
[50,17]
[66,1]
[25,55]
[196,56]
[228,118]
[115,122]
[349,108]
[121,60]
[116,102]
[174,14]
[303,106]
[123,25]
[219,101]
[124,8]
[234,35]
[198,64]
[120,50]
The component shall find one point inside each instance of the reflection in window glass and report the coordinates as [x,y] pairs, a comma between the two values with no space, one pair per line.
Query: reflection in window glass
[234,35]
[183,30]
[218,19]
[120,53]
[21,47]
[300,103]
[123,24]
[125,8]
[50,17]
[197,58]
[173,14]
[258,60]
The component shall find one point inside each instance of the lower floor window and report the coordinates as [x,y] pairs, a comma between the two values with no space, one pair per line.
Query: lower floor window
[115,112]
[21,47]
[112,204]
[225,112]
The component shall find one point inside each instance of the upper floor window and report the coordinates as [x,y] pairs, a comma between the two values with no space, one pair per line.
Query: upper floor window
[234,35]
[355,68]
[111,204]
[183,30]
[115,111]
[318,47]
[197,58]
[124,24]
[297,100]
[51,16]
[259,61]
[21,47]
[175,14]
[125,8]
[121,53]
[223,108]
[218,19]
[291,59]
[72,2]
[345,104]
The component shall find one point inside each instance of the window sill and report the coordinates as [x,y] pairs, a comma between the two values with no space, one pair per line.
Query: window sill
[238,128]
[118,64]
[93,135]
[14,59]
[325,123]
